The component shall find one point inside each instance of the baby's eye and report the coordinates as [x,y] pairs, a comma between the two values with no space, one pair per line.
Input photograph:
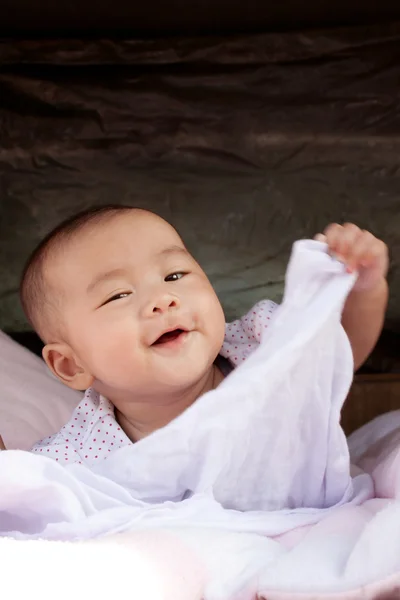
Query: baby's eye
[117,297]
[175,276]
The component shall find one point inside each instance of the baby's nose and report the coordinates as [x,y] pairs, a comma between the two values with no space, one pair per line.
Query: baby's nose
[163,303]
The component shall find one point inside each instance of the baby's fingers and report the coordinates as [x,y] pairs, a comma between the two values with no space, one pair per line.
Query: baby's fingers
[365,252]
[320,237]
[341,239]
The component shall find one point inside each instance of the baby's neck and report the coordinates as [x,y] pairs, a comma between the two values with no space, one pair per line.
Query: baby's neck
[139,419]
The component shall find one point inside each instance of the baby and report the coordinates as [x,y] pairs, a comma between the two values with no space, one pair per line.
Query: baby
[127,314]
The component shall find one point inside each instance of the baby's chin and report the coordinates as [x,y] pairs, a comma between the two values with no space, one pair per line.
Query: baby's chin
[182,378]
[164,378]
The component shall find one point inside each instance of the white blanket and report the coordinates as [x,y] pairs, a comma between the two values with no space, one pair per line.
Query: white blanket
[261,456]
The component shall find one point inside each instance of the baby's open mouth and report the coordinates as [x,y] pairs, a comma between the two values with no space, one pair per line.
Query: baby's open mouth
[169,336]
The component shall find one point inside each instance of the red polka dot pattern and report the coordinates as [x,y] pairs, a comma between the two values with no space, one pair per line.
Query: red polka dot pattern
[90,435]
[243,335]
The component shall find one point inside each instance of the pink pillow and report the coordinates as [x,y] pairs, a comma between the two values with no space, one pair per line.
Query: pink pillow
[33,404]
[381,459]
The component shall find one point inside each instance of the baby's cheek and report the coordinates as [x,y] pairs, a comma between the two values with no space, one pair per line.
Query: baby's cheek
[214,317]
[115,352]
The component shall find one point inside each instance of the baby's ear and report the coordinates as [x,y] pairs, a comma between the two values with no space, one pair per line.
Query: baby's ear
[62,361]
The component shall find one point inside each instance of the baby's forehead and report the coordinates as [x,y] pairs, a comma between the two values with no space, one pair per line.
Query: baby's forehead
[139,226]
[134,239]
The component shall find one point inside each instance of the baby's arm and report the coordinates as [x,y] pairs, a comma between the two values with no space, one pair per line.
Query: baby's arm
[364,311]
[2,446]
[363,318]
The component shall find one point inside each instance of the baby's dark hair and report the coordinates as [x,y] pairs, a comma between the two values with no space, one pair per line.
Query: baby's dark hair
[39,305]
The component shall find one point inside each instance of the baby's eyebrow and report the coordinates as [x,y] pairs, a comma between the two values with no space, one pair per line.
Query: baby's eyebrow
[172,250]
[106,276]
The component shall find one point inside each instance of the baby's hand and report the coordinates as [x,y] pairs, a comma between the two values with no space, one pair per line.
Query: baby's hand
[2,446]
[360,251]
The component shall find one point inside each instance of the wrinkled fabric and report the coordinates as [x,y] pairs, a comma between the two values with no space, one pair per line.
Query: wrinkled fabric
[244,143]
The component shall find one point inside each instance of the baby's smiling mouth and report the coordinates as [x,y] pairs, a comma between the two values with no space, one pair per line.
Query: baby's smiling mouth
[170,336]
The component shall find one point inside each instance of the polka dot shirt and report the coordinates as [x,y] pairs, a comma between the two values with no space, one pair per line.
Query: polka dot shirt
[244,335]
[93,433]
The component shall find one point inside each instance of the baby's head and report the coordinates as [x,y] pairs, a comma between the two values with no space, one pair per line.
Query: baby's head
[122,306]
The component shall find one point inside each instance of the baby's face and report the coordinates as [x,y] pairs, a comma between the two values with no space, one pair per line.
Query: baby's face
[137,309]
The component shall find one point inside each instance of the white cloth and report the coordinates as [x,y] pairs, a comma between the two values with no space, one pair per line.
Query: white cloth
[93,433]
[262,454]
[269,437]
